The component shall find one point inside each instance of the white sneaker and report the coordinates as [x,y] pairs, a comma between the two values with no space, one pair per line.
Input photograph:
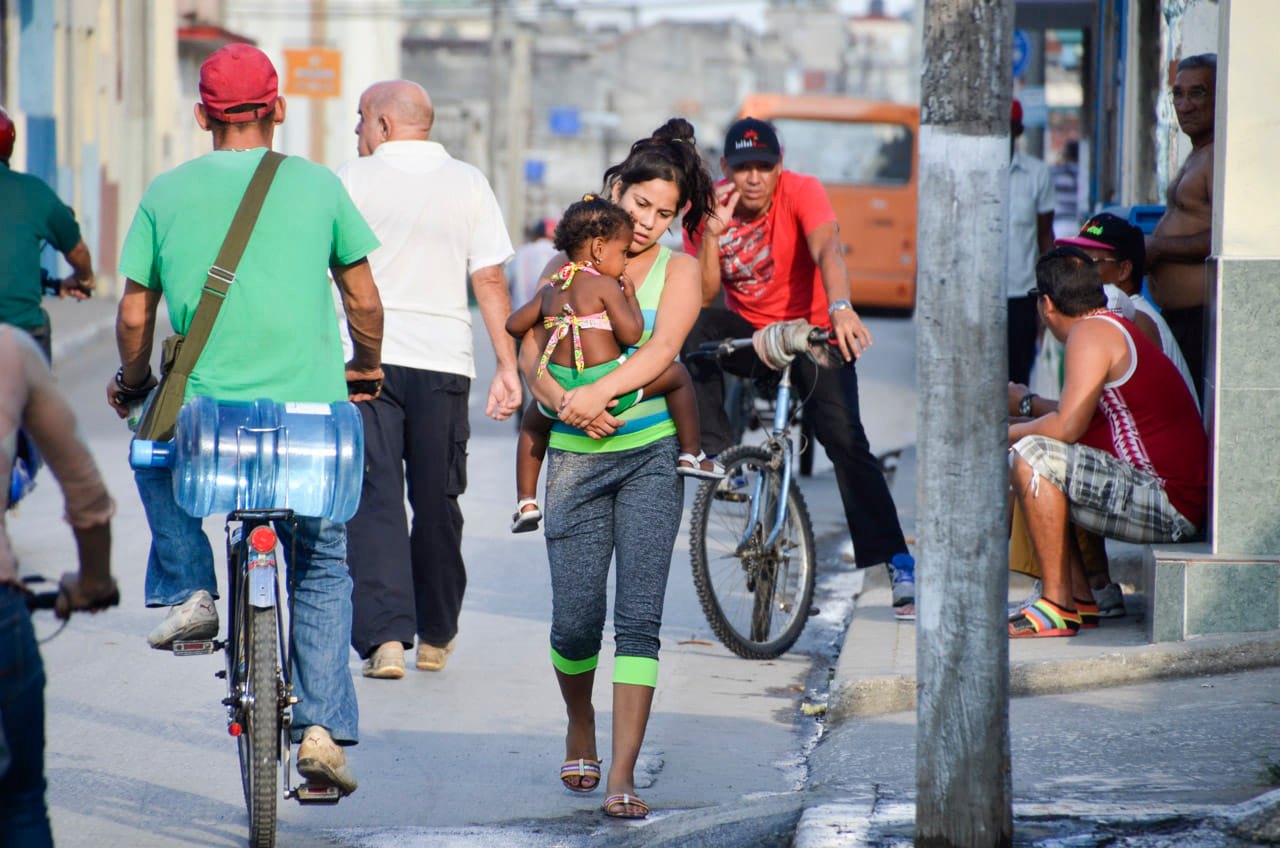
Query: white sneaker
[194,618]
[321,759]
[1016,608]
[1110,601]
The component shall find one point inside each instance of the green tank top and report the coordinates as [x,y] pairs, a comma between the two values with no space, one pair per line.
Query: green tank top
[647,421]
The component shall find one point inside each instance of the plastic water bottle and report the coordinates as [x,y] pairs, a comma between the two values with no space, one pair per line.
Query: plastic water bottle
[226,455]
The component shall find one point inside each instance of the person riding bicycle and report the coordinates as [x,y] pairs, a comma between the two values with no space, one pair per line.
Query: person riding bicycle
[28,397]
[590,292]
[275,337]
[31,217]
[772,244]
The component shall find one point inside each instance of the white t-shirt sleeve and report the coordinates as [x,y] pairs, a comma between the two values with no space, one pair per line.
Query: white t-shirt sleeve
[490,244]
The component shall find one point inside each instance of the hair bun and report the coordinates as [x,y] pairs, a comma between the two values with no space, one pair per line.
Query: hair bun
[676,129]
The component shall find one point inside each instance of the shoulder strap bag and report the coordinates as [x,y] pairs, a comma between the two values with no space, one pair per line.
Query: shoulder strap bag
[182,352]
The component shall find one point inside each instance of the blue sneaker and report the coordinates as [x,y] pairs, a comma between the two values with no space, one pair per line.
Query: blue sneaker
[902,571]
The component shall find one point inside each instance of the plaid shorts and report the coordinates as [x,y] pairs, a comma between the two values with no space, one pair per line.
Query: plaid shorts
[1107,495]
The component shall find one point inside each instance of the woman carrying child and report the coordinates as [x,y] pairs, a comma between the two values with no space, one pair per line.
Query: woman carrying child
[612,486]
[588,293]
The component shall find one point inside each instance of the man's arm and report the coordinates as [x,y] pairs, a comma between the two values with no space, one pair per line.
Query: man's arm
[135,333]
[852,335]
[363,307]
[1090,352]
[713,226]
[80,284]
[1044,231]
[494,300]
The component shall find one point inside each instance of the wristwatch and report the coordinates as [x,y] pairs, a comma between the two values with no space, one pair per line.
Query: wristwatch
[1024,405]
[836,306]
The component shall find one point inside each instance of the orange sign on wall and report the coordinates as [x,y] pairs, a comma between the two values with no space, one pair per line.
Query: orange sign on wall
[313,72]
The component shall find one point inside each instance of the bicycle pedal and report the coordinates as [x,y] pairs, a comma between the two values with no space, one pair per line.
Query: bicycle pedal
[732,497]
[192,647]
[317,793]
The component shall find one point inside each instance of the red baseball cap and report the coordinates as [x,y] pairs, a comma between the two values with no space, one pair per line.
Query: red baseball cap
[238,83]
[1015,111]
[8,132]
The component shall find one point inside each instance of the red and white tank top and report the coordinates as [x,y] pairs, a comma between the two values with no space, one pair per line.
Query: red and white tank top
[1149,419]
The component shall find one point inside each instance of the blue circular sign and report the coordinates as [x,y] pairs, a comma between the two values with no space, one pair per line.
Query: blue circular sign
[1021,53]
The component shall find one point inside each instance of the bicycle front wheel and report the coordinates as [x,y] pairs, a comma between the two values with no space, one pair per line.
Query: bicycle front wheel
[260,738]
[756,600]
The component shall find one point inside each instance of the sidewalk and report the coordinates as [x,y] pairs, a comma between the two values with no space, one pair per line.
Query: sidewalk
[1186,738]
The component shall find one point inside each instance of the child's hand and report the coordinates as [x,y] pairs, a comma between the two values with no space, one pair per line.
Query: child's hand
[628,287]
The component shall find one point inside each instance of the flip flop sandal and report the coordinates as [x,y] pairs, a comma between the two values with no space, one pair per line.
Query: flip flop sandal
[526,520]
[615,806]
[695,469]
[583,769]
[1044,619]
[1088,611]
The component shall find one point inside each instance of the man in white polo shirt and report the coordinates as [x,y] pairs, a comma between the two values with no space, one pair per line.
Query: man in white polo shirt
[439,224]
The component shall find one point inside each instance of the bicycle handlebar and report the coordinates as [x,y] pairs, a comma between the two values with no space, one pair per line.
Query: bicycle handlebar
[724,347]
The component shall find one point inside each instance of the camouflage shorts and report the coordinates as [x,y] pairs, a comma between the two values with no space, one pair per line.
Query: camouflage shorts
[1107,495]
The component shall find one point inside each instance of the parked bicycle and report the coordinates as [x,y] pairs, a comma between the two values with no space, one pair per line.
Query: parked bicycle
[751,537]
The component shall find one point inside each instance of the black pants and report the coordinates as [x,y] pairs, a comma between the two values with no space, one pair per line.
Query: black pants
[1022,338]
[831,404]
[1187,326]
[410,580]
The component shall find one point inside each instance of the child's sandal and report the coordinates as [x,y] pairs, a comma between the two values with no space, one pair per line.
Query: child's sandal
[525,520]
[695,469]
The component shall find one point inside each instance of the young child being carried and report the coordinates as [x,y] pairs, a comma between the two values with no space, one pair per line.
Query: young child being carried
[589,293]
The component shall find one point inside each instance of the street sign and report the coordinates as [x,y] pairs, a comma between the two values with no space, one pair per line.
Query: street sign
[313,72]
[1021,53]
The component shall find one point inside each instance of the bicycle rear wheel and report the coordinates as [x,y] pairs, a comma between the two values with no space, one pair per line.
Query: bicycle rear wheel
[260,739]
[756,600]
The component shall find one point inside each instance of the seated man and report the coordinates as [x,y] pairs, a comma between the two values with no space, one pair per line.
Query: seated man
[1122,454]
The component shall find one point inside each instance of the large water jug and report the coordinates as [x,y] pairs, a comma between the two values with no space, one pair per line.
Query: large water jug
[226,455]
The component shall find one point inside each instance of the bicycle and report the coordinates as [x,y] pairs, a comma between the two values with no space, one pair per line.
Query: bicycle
[751,537]
[260,695]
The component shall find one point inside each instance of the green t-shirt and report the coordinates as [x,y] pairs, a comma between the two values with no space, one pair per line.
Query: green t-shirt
[31,216]
[276,335]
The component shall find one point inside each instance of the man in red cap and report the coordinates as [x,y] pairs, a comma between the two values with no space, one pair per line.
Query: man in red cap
[1030,233]
[275,337]
[31,217]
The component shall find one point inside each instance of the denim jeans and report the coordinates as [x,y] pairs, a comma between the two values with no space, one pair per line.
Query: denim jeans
[181,563]
[24,822]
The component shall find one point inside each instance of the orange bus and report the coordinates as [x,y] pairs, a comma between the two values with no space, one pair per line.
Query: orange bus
[864,152]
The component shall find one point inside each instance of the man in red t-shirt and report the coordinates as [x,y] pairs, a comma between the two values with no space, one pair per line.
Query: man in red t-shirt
[1123,453]
[772,245]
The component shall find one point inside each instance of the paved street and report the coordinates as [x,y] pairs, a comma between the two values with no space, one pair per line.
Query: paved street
[138,753]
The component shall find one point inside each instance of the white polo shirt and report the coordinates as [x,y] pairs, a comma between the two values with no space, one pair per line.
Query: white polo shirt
[1030,195]
[438,222]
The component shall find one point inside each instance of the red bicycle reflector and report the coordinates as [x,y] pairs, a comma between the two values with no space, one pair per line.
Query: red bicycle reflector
[234,728]
[262,539]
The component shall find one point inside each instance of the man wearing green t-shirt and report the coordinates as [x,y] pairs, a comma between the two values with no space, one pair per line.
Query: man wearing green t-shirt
[31,217]
[275,337]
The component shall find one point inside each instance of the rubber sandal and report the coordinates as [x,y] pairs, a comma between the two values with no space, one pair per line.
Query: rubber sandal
[583,769]
[695,469]
[1088,611]
[1044,619]
[616,806]
[526,520]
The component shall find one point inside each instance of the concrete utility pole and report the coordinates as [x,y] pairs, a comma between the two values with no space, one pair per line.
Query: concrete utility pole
[962,656]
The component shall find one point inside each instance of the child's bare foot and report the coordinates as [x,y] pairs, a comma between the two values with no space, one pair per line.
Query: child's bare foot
[526,517]
[697,465]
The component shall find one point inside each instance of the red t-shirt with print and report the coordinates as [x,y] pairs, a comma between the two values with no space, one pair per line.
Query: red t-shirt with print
[765,266]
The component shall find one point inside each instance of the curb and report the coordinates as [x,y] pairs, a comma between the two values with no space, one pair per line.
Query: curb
[866,695]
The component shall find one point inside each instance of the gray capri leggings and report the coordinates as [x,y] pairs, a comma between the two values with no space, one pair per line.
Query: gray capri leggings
[626,503]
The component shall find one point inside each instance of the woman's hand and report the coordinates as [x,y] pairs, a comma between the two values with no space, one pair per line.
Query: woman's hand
[583,405]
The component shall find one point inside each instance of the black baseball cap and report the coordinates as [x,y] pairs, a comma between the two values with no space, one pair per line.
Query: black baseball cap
[1105,231]
[751,140]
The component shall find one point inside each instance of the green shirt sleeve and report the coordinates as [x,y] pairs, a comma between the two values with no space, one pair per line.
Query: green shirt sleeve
[353,240]
[64,232]
[138,255]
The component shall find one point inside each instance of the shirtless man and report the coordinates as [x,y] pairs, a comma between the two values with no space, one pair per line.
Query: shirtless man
[1181,242]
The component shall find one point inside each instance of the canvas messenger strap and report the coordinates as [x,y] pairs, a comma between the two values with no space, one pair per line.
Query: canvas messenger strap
[223,272]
